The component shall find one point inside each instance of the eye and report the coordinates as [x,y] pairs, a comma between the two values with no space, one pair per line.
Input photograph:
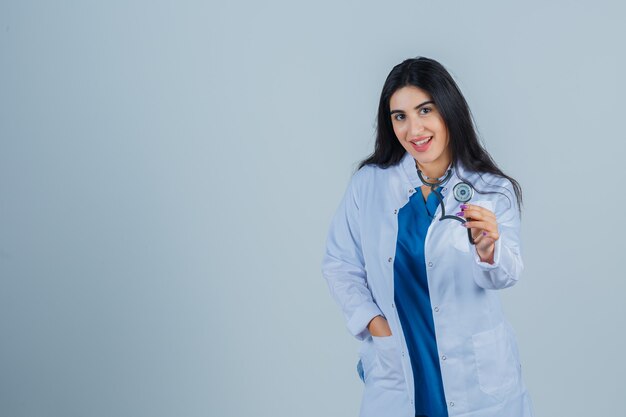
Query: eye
[398,116]
[425,110]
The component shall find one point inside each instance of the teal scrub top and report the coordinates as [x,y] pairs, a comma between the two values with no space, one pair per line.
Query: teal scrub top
[413,303]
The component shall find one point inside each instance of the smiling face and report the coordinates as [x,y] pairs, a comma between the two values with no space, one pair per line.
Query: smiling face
[420,128]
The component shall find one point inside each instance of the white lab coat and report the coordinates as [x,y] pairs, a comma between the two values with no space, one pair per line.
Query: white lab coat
[477,347]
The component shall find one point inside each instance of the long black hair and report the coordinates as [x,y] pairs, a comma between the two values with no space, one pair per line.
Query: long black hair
[430,76]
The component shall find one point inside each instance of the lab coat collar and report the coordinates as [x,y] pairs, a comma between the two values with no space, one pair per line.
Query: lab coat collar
[408,166]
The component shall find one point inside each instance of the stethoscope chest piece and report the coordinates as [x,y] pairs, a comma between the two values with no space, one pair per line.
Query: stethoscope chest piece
[463,192]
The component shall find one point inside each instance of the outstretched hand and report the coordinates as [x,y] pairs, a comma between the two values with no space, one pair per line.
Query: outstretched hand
[484,227]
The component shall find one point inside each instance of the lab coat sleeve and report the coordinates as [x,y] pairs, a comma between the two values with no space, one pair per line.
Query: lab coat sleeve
[343,265]
[507,266]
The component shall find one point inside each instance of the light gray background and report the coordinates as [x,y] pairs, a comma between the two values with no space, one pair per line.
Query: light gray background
[168,172]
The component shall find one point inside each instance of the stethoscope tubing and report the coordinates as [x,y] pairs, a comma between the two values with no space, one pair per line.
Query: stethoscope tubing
[445,216]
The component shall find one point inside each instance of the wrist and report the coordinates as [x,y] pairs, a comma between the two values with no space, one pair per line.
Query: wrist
[379,327]
[487,255]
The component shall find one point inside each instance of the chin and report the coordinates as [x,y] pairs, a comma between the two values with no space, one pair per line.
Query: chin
[423,160]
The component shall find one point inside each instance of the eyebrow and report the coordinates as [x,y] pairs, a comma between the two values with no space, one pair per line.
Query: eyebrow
[416,107]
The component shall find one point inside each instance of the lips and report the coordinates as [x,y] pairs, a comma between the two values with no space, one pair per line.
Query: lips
[421,140]
[421,144]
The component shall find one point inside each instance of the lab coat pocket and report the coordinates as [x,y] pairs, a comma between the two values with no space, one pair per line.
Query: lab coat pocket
[364,365]
[387,371]
[359,370]
[495,363]
[460,238]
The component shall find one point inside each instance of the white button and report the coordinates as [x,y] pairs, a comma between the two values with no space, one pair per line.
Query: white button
[430,264]
[443,357]
[393,305]
[436,309]
[389,260]
[411,402]
[411,191]
[451,404]
[395,211]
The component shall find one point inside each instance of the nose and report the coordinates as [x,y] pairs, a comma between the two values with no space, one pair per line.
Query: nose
[416,126]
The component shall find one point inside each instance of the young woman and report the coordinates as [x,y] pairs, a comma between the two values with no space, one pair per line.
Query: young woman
[426,231]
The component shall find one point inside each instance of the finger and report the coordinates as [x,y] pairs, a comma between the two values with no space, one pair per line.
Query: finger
[477,236]
[479,209]
[476,212]
[490,235]
[483,242]
[480,233]
[476,216]
[478,224]
[482,225]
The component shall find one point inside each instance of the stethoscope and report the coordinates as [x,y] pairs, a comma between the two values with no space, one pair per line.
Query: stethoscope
[463,192]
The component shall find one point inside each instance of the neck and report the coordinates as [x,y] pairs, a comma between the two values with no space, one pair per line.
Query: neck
[435,169]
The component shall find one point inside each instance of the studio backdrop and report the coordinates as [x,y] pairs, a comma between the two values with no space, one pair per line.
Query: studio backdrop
[168,172]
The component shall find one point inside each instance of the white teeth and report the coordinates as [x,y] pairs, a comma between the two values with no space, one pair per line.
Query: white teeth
[421,142]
